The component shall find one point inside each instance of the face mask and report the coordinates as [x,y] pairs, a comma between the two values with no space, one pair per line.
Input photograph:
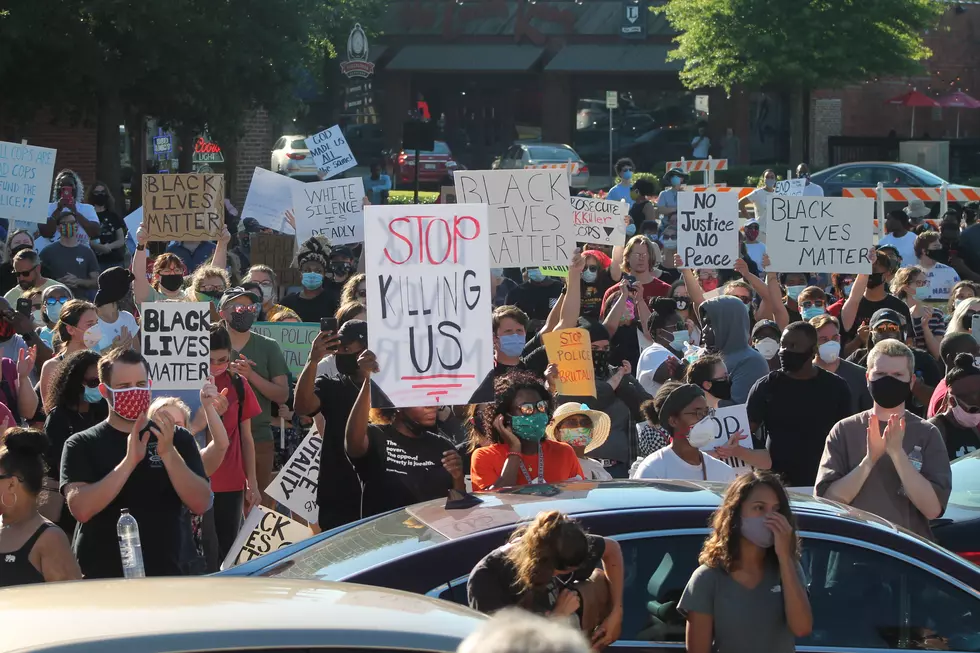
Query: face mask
[679,340]
[922,292]
[721,389]
[534,274]
[794,291]
[346,363]
[497,273]
[770,183]
[767,347]
[92,395]
[847,290]
[6,331]
[793,361]
[37,314]
[218,370]
[709,284]
[829,351]
[670,243]
[268,294]
[702,434]
[312,280]
[812,312]
[939,255]
[513,344]
[600,363]
[68,230]
[92,336]
[627,175]
[18,248]
[754,529]
[242,322]
[875,279]
[589,277]
[971,420]
[529,427]
[675,181]
[171,282]
[130,403]
[630,229]
[889,392]
[53,312]
[99,199]
[576,437]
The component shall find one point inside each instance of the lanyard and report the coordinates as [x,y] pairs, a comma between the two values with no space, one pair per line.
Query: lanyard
[540,479]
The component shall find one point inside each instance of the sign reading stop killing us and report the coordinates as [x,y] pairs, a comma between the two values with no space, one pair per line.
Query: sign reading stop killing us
[184,207]
[599,221]
[530,214]
[820,234]
[177,344]
[571,351]
[428,300]
[707,229]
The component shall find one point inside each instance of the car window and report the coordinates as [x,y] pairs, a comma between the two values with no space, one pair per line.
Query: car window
[513,152]
[925,177]
[863,598]
[966,481]
[551,152]
[854,176]
[279,144]
[438,148]
[298,144]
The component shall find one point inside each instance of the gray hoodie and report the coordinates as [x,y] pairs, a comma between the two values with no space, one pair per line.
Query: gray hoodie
[730,322]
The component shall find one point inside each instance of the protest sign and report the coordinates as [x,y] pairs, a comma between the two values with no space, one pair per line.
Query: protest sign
[295,485]
[26,172]
[428,272]
[707,229]
[727,422]
[330,151]
[571,350]
[557,271]
[530,214]
[792,187]
[177,344]
[448,194]
[334,209]
[264,530]
[276,251]
[269,196]
[133,222]
[599,221]
[820,234]
[294,338]
[184,207]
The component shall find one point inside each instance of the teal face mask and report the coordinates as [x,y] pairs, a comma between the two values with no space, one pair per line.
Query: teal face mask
[529,427]
[794,291]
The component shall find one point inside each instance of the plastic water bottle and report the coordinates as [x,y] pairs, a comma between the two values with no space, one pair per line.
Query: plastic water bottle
[130,550]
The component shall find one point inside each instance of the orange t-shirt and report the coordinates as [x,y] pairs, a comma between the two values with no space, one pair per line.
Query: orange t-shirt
[560,464]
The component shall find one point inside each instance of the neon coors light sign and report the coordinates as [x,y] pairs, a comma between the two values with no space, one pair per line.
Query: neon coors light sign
[357,64]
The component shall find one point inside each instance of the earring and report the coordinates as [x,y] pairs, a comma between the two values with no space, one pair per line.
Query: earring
[3,500]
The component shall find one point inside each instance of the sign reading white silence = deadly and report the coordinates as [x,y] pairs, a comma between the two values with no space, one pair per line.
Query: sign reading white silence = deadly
[296,485]
[428,282]
[177,344]
[820,234]
[334,209]
[599,221]
[707,229]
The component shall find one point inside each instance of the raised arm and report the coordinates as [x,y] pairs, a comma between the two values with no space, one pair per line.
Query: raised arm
[616,263]
[356,441]
[849,311]
[141,284]
[691,283]
[775,295]
[572,300]
[305,401]
[220,258]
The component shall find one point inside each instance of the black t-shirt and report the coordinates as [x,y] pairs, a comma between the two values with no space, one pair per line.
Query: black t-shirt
[311,310]
[109,223]
[62,423]
[867,308]
[592,294]
[795,417]
[148,494]
[493,582]
[536,299]
[398,470]
[926,371]
[960,440]
[534,359]
[338,488]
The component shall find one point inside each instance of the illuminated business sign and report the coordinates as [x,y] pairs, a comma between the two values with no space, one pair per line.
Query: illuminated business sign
[357,64]
[207,151]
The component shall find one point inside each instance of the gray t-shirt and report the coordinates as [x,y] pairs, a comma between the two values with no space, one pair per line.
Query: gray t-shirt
[857,381]
[60,260]
[745,620]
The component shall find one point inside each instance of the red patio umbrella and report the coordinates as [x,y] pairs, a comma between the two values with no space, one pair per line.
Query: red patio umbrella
[913,99]
[959,100]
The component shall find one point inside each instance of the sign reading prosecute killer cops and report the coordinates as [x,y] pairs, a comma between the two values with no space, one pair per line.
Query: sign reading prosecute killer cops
[177,344]
[599,221]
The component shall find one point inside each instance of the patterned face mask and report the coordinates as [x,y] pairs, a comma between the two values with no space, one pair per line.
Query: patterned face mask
[577,437]
[130,403]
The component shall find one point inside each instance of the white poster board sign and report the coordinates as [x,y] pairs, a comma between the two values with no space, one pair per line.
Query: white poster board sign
[530,214]
[820,234]
[707,229]
[429,306]
[26,173]
[599,221]
[133,222]
[792,187]
[728,421]
[177,344]
[296,484]
[330,151]
[264,530]
[269,196]
[332,208]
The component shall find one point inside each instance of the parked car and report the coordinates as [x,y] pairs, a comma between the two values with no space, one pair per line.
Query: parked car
[291,157]
[872,585]
[522,154]
[959,528]
[226,614]
[434,165]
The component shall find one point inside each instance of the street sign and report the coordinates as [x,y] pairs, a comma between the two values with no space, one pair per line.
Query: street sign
[701,103]
[162,144]
[612,100]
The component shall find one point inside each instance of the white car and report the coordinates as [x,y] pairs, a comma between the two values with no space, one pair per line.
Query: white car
[291,157]
[520,155]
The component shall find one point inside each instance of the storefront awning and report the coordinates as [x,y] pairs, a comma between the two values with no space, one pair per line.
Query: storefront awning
[483,58]
[624,58]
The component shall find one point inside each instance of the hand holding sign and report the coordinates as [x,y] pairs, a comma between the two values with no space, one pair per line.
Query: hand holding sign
[571,350]
[707,231]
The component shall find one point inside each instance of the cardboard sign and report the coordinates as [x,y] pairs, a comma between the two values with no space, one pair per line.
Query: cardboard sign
[330,152]
[792,187]
[184,207]
[295,340]
[264,530]
[571,350]
[429,302]
[599,221]
[26,173]
[448,194]
[728,421]
[296,484]
[269,196]
[276,251]
[707,229]
[530,214]
[820,234]
[334,209]
[177,344]
[557,271]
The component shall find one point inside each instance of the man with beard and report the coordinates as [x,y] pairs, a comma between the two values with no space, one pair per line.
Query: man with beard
[27,269]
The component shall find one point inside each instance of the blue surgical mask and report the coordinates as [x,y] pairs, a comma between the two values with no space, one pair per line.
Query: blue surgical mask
[812,312]
[630,229]
[589,276]
[530,427]
[794,291]
[92,395]
[770,183]
[847,290]
[312,280]
[627,175]
[922,292]
[675,181]
[535,274]
[513,344]
[670,243]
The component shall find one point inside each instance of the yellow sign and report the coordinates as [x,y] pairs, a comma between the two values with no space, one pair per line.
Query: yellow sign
[571,350]
[560,271]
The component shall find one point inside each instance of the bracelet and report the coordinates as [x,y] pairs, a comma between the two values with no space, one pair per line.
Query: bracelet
[512,453]
[140,248]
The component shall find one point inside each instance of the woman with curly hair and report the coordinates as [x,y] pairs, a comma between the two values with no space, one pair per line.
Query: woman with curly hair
[750,565]
[315,300]
[552,566]
[517,425]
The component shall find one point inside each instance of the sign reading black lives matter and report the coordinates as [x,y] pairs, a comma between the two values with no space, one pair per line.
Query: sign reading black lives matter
[296,485]
[264,531]
[184,207]
[707,229]
[333,208]
[428,299]
[177,344]
[820,234]
[530,214]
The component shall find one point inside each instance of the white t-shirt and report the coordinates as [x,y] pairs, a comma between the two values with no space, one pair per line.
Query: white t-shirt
[112,330]
[813,190]
[328,366]
[905,246]
[593,470]
[665,464]
[87,211]
[701,149]
[941,279]
[760,199]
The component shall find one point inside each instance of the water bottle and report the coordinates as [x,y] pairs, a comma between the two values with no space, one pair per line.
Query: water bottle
[130,550]
[915,457]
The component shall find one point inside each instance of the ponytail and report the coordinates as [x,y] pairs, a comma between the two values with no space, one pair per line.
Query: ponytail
[552,542]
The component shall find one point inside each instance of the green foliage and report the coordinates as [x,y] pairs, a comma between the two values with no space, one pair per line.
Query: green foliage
[798,45]
[408,197]
[649,176]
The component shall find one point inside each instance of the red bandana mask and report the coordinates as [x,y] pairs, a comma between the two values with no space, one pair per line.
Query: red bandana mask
[130,403]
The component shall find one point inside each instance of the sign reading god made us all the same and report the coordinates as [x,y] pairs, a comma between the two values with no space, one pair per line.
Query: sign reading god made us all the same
[707,229]
[530,214]
[177,344]
[26,172]
[184,207]
[330,151]
[428,299]
[820,234]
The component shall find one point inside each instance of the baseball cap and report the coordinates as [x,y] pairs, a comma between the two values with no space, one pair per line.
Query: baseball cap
[886,315]
[765,324]
[751,223]
[236,292]
[353,331]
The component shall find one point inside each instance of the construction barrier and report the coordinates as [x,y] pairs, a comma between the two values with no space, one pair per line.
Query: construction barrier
[942,194]
[707,166]
[556,166]
[741,190]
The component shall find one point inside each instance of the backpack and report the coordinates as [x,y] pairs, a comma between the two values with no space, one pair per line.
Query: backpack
[8,392]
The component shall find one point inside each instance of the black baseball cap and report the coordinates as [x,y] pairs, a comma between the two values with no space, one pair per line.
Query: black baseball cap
[353,331]
[238,291]
[887,315]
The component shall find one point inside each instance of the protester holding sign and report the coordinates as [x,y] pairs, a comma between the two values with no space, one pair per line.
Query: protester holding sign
[314,301]
[167,276]
[759,198]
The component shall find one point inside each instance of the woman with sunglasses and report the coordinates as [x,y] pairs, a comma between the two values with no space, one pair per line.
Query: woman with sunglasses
[911,285]
[263,278]
[517,425]
[53,299]
[598,276]
[680,295]
[958,423]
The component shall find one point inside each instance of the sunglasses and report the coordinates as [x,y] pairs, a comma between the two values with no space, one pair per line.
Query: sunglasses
[592,268]
[4,477]
[251,308]
[815,303]
[745,300]
[51,301]
[91,383]
[27,273]
[887,327]
[531,408]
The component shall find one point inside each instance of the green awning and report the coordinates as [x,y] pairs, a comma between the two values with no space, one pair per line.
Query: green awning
[623,58]
[482,58]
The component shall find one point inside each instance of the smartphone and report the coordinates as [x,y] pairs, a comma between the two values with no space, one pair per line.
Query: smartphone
[24,306]
[328,324]
[67,196]
[975,327]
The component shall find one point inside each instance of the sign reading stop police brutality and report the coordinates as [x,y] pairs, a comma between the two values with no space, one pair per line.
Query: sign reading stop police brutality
[707,229]
[599,221]
[184,207]
[530,215]
[177,344]
[820,234]
[428,301]
[25,179]
[296,485]
[571,351]
[264,530]
[334,209]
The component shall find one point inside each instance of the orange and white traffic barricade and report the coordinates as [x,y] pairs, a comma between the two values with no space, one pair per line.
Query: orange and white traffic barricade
[942,194]
[707,166]
[742,191]
[571,168]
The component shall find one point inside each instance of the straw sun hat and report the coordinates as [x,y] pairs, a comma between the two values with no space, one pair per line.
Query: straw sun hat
[600,423]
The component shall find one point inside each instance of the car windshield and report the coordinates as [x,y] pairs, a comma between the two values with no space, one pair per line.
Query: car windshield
[927,178]
[966,481]
[298,145]
[551,152]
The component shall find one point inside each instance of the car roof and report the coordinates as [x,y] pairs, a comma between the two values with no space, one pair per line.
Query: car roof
[145,614]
